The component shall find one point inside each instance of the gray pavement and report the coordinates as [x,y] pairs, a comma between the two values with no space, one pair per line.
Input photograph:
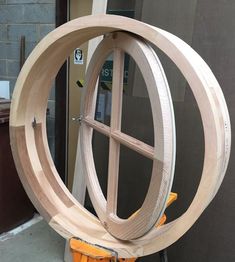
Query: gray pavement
[39,243]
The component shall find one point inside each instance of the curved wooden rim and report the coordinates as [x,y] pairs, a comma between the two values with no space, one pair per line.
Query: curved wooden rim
[30,148]
[163,153]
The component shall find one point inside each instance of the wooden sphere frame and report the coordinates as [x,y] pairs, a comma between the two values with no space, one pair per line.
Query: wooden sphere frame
[163,152]
[30,147]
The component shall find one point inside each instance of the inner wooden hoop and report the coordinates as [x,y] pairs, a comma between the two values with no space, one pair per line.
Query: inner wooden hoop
[164,137]
[30,148]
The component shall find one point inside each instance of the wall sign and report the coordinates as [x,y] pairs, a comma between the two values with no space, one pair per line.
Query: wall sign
[78,56]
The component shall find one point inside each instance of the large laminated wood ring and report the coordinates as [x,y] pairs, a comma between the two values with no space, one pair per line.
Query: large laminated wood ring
[30,147]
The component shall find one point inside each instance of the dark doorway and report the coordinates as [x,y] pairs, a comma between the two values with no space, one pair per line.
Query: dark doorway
[61,101]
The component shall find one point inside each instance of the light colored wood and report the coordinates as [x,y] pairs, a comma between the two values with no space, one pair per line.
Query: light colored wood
[153,206]
[79,183]
[77,8]
[98,126]
[130,142]
[114,146]
[79,188]
[68,217]
[134,144]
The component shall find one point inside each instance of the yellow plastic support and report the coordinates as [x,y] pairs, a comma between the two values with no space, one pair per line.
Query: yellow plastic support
[172,198]
[86,252]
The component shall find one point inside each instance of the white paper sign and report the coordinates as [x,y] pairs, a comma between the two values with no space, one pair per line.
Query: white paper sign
[78,56]
[5,89]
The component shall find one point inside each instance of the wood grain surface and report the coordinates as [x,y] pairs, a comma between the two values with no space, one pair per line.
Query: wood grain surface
[163,153]
[67,216]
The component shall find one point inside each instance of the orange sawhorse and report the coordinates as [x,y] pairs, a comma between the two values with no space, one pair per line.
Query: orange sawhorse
[86,252]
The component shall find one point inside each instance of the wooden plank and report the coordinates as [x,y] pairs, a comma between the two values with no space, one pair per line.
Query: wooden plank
[78,8]
[130,142]
[79,180]
[134,144]
[98,126]
[114,145]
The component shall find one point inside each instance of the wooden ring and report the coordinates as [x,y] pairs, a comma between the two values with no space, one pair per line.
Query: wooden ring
[30,148]
[162,154]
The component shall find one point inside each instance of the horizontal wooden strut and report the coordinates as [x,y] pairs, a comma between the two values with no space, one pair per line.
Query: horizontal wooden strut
[130,142]
[102,128]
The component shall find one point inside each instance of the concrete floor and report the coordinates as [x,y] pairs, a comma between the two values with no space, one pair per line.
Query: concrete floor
[38,243]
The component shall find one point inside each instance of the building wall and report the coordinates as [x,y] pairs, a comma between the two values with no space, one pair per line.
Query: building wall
[32,19]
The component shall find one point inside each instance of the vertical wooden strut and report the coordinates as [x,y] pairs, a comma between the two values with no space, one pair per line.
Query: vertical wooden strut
[114,145]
